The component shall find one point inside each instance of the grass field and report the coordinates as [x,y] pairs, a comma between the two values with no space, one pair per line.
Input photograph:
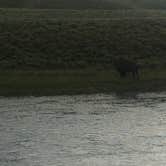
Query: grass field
[71,51]
[60,82]
[51,39]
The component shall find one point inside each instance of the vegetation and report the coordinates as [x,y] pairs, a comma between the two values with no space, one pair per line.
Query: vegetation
[71,51]
[54,39]
[60,82]
[84,4]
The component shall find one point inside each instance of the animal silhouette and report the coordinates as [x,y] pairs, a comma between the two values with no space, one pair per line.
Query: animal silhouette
[125,67]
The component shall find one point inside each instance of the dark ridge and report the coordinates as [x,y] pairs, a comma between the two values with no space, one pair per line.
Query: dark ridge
[83,4]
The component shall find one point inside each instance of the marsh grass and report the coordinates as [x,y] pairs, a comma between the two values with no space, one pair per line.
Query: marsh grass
[49,52]
[62,82]
[59,39]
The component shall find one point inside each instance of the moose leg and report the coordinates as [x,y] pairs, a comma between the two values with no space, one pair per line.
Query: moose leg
[134,74]
[137,74]
[122,74]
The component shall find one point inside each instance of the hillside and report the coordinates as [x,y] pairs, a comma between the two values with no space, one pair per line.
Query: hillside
[62,4]
[51,39]
[50,52]
[84,4]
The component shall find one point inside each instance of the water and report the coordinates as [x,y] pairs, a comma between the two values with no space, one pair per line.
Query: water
[85,130]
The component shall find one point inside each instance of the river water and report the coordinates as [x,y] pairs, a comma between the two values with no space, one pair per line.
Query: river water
[84,130]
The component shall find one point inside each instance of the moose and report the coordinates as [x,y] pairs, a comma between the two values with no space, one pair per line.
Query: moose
[125,66]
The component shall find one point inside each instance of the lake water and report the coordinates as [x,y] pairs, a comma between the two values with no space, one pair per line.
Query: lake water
[83,130]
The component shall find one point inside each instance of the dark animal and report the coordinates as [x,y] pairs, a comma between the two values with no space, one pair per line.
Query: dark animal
[125,67]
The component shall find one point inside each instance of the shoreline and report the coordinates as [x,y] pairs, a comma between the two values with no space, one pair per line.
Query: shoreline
[75,82]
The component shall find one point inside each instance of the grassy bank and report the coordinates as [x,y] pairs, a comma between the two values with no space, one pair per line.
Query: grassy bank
[20,83]
[58,39]
[49,52]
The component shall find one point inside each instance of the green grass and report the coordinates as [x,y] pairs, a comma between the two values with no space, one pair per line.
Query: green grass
[17,83]
[58,39]
[48,52]
[92,14]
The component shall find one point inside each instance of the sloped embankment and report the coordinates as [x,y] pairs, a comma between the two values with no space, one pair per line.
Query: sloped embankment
[76,39]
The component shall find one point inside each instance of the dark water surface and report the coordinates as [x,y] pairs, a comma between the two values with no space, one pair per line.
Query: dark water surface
[84,130]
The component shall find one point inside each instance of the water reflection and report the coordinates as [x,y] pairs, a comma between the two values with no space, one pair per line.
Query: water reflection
[83,130]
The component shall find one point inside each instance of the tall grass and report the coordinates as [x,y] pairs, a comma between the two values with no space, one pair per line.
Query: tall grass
[53,39]
[71,51]
[60,82]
